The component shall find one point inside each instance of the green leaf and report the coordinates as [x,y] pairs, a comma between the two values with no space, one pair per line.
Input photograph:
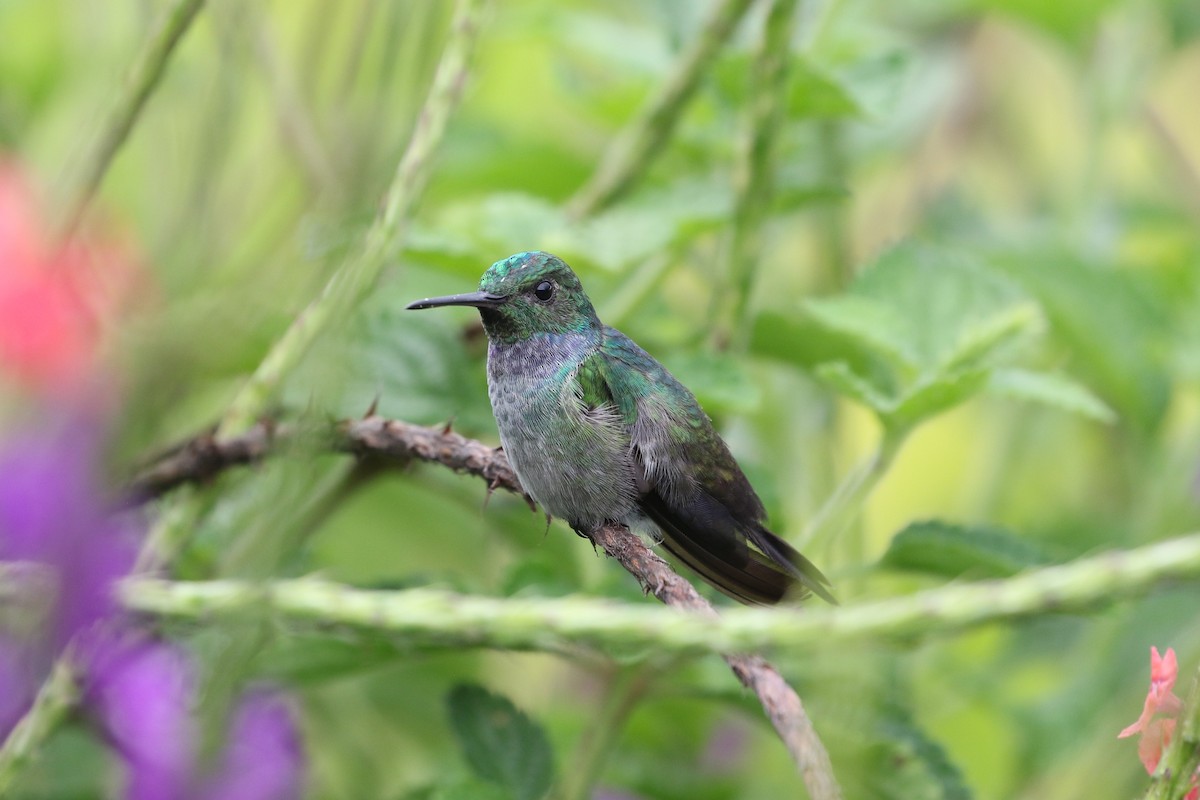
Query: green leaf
[925,311]
[816,93]
[545,572]
[1051,389]
[649,224]
[915,335]
[799,339]
[720,382]
[934,397]
[1114,322]
[500,742]
[944,308]
[914,764]
[501,224]
[416,366]
[841,378]
[983,342]
[813,92]
[943,548]
[449,253]
[308,659]
[871,324]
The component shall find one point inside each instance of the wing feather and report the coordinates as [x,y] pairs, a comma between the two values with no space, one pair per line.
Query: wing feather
[689,484]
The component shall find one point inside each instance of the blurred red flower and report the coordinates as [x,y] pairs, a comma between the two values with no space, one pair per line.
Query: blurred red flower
[54,297]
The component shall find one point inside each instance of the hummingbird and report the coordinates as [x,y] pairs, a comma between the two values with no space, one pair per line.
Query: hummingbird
[598,431]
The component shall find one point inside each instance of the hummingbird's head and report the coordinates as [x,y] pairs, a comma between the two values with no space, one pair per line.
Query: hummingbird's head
[524,295]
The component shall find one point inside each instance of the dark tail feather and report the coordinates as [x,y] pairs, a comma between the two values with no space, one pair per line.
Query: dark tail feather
[788,557]
[710,545]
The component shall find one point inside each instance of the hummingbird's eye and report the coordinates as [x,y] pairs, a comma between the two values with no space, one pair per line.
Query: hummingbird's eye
[544,291]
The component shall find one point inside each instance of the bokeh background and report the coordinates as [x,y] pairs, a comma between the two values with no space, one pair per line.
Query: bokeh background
[1006,188]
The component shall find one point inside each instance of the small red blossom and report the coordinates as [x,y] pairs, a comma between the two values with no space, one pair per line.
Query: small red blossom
[54,297]
[1156,731]
[1163,672]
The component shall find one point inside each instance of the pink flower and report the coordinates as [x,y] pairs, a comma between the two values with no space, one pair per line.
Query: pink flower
[1156,731]
[1163,671]
[54,297]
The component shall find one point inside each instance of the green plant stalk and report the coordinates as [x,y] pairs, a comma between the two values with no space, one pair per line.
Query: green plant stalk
[636,146]
[54,701]
[176,521]
[752,168]
[143,79]
[446,619]
[832,218]
[297,127]
[1180,763]
[597,744]
[639,285]
[848,498]
[351,281]
[354,278]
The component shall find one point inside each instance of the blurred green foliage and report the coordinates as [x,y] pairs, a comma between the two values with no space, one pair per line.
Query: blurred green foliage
[983,243]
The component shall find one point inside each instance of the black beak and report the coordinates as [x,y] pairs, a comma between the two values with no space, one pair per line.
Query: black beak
[477,299]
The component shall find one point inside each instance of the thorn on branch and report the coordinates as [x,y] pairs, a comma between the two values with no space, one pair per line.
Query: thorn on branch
[371,409]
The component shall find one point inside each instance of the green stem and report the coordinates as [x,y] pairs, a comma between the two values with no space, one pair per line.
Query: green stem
[173,526]
[848,498]
[635,289]
[832,226]
[597,744]
[355,278]
[143,78]
[631,152]
[297,126]
[438,618]
[752,168]
[54,701]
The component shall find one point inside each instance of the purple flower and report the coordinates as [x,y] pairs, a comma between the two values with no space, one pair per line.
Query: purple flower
[52,515]
[264,759]
[139,691]
[52,512]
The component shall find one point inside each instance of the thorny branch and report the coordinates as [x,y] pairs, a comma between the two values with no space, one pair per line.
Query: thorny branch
[375,437]
[203,457]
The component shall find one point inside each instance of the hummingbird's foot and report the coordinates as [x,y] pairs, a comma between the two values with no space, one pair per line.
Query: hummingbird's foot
[584,532]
